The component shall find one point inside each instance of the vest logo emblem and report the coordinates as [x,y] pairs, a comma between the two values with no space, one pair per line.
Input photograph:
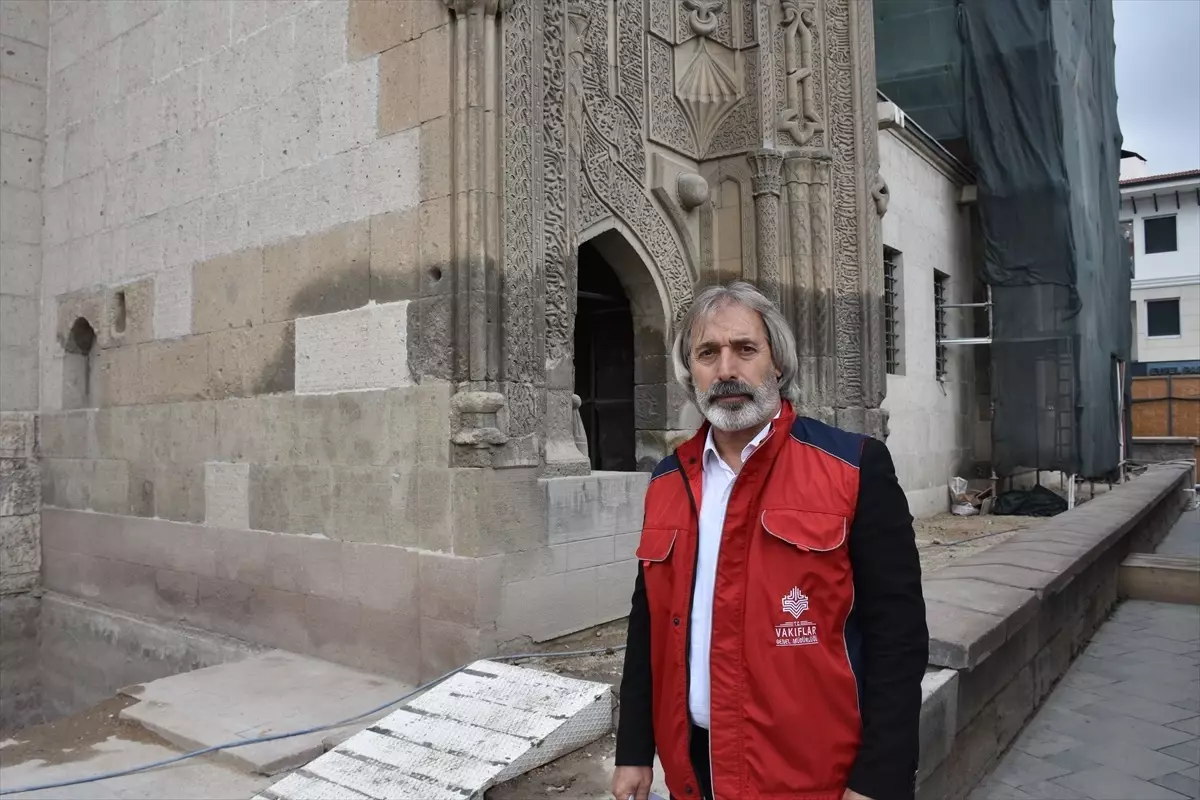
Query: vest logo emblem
[795,632]
[795,602]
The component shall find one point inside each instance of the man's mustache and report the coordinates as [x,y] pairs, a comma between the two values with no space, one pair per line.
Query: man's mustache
[730,389]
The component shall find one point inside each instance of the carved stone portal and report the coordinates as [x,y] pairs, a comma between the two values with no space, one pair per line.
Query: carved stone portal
[720,139]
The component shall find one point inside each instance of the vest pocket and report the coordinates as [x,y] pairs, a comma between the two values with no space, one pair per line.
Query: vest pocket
[813,531]
[656,544]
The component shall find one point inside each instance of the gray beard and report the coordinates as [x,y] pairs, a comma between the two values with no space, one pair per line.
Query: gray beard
[751,413]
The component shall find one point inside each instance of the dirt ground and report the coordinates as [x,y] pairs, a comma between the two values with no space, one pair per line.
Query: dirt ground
[72,738]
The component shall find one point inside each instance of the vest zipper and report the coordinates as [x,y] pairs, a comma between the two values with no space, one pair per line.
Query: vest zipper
[687,644]
[712,778]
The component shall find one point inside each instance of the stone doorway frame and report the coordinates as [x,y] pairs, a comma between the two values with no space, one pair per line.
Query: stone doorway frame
[660,407]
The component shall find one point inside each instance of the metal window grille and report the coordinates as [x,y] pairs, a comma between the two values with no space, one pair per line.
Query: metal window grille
[939,321]
[891,319]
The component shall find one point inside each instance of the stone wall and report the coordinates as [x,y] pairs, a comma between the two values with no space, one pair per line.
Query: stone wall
[1150,449]
[24,36]
[243,327]
[20,564]
[1010,620]
[931,422]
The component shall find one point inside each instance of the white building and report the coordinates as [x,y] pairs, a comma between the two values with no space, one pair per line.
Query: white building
[1161,215]
[933,414]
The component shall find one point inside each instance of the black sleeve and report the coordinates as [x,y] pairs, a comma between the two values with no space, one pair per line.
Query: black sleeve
[890,609]
[635,723]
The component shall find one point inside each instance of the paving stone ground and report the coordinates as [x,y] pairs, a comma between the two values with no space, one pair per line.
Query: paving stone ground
[1124,723]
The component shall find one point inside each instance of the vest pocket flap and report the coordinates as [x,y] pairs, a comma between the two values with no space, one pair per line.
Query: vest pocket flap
[656,544]
[808,530]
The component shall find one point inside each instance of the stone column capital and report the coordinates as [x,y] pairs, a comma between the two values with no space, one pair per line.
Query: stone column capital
[766,168]
[489,8]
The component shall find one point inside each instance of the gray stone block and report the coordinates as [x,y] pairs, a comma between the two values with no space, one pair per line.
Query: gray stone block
[1016,606]
[69,434]
[460,590]
[939,718]
[18,434]
[1000,574]
[20,546]
[362,505]
[20,487]
[291,499]
[960,638]
[497,511]
[590,506]
[381,577]
[548,606]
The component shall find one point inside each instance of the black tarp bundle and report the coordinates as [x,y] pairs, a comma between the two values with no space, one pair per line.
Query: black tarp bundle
[1040,106]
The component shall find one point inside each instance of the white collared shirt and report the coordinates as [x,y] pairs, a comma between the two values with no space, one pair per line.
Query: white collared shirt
[717,487]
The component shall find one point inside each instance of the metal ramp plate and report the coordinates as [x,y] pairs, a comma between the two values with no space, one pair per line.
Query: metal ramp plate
[485,725]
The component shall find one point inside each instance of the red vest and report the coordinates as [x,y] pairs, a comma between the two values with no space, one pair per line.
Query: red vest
[785,647]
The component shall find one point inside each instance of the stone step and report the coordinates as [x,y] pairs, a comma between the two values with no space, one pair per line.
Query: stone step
[1166,579]
[272,693]
[485,725]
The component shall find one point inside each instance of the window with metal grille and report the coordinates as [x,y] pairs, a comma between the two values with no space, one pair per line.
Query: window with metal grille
[891,310]
[939,320]
[1159,233]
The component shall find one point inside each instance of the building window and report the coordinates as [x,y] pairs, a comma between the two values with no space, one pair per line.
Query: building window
[1162,317]
[939,320]
[1160,234]
[891,310]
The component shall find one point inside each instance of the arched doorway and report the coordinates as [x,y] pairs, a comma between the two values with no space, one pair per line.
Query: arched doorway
[604,363]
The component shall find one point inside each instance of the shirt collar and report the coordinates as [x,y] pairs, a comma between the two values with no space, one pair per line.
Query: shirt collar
[711,447]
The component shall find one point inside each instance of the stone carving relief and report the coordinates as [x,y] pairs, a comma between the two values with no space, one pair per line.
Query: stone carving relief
[734,90]
[692,190]
[799,118]
[710,105]
[614,156]
[880,194]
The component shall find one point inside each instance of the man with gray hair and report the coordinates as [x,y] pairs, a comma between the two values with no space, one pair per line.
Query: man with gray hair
[777,638]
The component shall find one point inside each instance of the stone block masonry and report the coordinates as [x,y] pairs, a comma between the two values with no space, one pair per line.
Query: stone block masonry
[20,503]
[20,570]
[1010,620]
[187,142]
[24,34]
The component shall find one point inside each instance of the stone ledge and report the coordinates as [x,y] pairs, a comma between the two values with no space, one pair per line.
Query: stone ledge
[980,602]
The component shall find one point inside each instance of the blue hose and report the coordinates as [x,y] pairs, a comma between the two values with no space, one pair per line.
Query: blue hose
[316,729]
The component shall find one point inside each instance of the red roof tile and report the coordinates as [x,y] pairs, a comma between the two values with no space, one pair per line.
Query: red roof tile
[1170,176]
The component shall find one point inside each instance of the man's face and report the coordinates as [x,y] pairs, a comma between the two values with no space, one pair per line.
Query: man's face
[736,381]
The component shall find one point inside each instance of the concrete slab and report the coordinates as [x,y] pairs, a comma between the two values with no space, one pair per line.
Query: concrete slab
[268,694]
[485,725]
[196,779]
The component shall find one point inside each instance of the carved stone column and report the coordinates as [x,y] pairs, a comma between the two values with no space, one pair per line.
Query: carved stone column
[562,454]
[766,184]
[479,406]
[819,117]
[809,230]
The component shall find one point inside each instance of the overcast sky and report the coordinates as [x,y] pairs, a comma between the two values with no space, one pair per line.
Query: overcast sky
[1158,81]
